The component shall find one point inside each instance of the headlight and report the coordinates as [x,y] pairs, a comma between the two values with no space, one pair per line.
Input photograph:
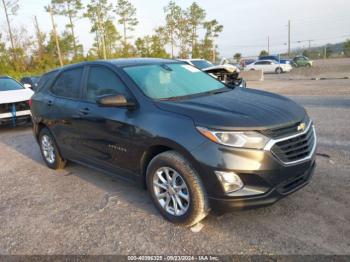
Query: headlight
[246,139]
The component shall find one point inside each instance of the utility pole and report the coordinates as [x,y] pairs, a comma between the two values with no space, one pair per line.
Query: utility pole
[310,43]
[39,36]
[55,35]
[101,31]
[10,31]
[268,44]
[288,38]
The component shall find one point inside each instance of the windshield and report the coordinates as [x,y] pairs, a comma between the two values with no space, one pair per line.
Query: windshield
[201,64]
[8,84]
[172,80]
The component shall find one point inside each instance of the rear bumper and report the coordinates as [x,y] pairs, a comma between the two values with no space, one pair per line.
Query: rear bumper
[273,195]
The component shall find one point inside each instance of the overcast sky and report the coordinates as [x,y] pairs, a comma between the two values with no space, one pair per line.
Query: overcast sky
[247,23]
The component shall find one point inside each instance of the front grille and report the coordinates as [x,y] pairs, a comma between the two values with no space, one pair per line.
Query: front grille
[20,106]
[281,132]
[285,130]
[296,148]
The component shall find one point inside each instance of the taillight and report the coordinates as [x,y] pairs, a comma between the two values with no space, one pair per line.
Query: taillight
[30,102]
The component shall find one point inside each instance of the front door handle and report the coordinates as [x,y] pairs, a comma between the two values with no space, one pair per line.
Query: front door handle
[49,103]
[84,111]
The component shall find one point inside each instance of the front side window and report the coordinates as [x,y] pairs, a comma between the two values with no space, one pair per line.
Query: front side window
[101,82]
[8,84]
[68,83]
[164,81]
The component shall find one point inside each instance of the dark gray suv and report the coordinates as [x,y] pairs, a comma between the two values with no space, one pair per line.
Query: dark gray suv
[193,142]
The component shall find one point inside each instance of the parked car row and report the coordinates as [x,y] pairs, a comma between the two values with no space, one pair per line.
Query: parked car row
[275,64]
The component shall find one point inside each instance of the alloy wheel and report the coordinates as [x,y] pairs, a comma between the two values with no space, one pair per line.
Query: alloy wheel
[48,149]
[171,191]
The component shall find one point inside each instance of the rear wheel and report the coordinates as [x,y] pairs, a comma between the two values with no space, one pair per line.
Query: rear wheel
[176,189]
[49,150]
[278,70]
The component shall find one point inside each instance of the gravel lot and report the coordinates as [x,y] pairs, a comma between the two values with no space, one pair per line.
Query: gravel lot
[81,211]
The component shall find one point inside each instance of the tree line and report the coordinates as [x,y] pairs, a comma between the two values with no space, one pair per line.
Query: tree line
[186,33]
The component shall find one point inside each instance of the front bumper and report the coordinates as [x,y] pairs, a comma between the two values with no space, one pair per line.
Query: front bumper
[273,195]
[265,177]
[21,117]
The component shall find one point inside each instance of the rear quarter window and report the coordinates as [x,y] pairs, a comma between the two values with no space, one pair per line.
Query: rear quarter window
[46,80]
[68,83]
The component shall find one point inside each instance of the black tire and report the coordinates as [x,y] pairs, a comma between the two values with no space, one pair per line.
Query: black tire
[279,70]
[198,207]
[308,65]
[59,162]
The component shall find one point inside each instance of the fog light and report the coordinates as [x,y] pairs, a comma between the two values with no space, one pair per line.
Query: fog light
[230,181]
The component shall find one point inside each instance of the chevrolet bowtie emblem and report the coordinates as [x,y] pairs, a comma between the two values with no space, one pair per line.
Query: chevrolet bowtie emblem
[301,127]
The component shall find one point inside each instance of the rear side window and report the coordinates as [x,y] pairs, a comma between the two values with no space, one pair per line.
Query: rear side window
[102,81]
[68,83]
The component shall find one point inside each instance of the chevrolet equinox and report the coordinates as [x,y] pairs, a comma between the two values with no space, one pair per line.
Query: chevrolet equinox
[193,142]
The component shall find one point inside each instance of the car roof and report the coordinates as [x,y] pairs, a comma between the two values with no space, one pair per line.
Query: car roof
[194,59]
[121,62]
[269,60]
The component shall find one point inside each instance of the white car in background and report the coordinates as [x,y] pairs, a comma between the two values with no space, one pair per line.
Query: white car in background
[269,66]
[227,73]
[14,102]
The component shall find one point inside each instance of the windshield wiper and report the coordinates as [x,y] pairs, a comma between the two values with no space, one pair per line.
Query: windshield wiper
[212,92]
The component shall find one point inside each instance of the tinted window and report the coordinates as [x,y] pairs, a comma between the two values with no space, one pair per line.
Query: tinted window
[8,84]
[102,81]
[172,80]
[68,83]
[259,63]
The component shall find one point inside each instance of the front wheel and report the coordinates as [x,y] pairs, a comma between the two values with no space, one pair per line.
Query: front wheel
[278,70]
[176,189]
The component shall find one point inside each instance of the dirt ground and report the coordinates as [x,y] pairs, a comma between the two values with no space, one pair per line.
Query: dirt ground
[81,211]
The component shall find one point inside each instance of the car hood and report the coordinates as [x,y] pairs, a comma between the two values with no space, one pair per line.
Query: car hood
[239,109]
[14,96]
[226,67]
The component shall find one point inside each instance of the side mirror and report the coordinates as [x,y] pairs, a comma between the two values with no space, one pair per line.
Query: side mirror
[27,85]
[115,101]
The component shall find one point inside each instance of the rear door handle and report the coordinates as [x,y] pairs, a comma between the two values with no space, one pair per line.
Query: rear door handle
[84,111]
